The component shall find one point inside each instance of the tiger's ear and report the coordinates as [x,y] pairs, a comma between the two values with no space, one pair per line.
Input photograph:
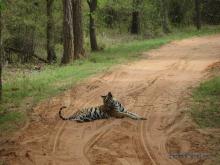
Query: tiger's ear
[110,94]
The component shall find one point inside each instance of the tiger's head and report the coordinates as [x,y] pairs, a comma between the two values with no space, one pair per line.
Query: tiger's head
[108,100]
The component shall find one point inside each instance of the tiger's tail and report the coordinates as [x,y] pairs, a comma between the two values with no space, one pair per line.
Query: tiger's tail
[60,115]
[143,118]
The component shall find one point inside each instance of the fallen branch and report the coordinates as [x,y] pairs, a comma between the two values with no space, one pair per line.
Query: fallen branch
[40,59]
[8,49]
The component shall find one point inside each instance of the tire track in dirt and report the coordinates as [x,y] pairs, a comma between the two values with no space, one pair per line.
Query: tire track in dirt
[179,65]
[153,97]
[62,125]
[94,138]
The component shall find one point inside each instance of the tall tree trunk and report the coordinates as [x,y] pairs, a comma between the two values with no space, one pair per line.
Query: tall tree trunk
[164,15]
[78,29]
[198,14]
[68,47]
[1,54]
[92,31]
[135,22]
[51,56]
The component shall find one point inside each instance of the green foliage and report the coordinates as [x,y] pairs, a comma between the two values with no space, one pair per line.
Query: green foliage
[114,13]
[181,12]
[211,11]
[2,4]
[150,19]
[25,25]
[11,121]
[206,109]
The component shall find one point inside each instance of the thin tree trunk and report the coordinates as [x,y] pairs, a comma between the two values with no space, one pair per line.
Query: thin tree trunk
[28,44]
[51,56]
[1,55]
[135,23]
[68,52]
[164,15]
[78,29]
[92,31]
[110,17]
[198,14]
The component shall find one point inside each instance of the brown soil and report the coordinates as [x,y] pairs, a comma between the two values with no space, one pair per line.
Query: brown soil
[213,68]
[155,87]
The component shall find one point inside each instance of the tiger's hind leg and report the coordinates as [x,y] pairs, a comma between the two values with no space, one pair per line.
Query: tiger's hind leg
[82,119]
[132,115]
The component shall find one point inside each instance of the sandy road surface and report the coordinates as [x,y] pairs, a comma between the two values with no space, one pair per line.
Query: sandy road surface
[154,87]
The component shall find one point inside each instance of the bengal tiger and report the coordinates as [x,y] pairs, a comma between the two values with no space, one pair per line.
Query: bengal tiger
[110,108]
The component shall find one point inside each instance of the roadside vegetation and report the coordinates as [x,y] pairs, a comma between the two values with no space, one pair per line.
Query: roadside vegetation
[205,109]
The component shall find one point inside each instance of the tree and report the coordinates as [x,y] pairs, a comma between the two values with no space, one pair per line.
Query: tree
[51,56]
[78,29]
[68,52]
[198,14]
[135,22]
[92,31]
[1,48]
[0,55]
[164,15]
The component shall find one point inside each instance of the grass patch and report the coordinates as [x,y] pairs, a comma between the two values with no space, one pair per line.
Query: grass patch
[11,121]
[55,79]
[206,108]
[206,111]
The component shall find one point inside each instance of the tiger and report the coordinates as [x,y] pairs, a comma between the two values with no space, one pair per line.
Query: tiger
[110,108]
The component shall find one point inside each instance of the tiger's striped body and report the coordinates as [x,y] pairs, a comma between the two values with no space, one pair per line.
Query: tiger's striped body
[110,108]
[87,114]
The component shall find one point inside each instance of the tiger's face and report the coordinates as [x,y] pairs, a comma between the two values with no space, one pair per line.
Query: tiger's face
[108,100]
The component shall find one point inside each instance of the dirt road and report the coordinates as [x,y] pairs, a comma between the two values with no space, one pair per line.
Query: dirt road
[155,87]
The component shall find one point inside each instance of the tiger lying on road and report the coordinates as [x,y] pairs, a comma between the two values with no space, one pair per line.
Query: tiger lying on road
[110,108]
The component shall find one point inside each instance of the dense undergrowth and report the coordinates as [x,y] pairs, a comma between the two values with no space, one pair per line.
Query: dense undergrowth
[206,108]
[24,89]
